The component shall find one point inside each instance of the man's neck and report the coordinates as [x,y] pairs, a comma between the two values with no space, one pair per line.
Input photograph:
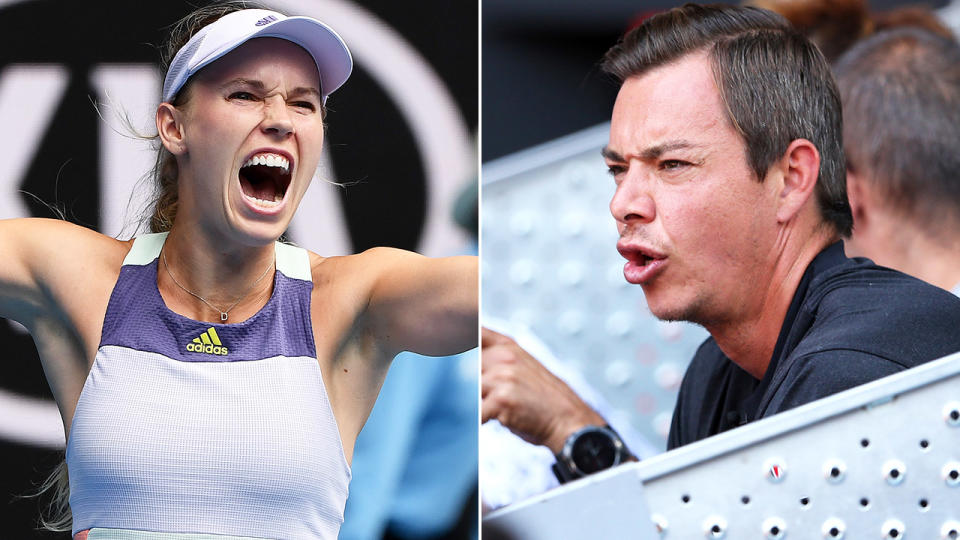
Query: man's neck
[749,342]
[899,245]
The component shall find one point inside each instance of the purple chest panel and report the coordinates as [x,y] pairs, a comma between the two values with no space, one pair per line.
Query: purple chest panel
[138,318]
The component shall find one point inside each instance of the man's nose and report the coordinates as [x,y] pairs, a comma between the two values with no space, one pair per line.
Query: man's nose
[633,202]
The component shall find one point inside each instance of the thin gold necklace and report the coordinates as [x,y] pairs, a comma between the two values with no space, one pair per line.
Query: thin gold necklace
[224,313]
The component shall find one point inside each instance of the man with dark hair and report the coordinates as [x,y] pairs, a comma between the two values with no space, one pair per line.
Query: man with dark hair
[730,203]
[901,96]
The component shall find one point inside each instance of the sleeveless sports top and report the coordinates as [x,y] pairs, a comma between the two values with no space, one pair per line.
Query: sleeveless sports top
[206,430]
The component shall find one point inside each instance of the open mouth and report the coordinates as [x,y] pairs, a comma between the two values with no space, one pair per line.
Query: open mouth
[642,264]
[638,255]
[264,178]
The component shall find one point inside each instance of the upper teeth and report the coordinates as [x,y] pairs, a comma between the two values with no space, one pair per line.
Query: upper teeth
[269,160]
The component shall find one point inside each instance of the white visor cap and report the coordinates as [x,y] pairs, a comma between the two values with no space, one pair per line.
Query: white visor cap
[327,48]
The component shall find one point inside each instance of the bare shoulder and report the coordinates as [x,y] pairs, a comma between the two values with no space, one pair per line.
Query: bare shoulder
[55,268]
[341,294]
[42,241]
[386,254]
[366,266]
[55,230]
[364,257]
[346,286]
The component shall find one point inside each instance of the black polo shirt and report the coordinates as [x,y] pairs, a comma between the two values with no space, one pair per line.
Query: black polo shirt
[850,322]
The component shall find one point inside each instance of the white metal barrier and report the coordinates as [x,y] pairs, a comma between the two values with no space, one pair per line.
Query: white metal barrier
[878,461]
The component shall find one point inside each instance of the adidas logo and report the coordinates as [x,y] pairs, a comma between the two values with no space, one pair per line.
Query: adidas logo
[208,343]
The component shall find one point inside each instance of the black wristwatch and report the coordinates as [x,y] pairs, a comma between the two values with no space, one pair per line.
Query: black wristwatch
[589,450]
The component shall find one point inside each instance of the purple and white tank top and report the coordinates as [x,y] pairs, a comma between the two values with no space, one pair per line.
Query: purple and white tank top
[198,430]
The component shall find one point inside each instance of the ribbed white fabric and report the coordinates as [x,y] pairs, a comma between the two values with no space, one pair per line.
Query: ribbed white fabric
[178,461]
[128,534]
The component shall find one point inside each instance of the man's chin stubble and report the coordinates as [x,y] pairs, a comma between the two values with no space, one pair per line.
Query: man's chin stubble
[692,313]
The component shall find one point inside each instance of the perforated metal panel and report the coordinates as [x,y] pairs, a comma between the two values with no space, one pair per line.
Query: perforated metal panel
[605,506]
[878,461]
[550,263]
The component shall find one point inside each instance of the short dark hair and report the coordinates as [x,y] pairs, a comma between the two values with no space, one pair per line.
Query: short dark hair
[901,91]
[776,86]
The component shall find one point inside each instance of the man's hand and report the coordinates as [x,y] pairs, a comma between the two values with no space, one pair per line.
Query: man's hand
[524,396]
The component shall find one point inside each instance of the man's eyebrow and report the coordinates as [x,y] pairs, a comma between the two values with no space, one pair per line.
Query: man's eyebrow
[651,153]
[611,155]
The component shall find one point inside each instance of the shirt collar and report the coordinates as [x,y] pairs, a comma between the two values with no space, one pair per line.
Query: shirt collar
[831,256]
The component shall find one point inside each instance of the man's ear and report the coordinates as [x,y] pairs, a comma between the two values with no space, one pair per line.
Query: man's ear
[800,165]
[170,128]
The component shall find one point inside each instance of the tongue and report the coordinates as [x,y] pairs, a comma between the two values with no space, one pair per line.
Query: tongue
[264,190]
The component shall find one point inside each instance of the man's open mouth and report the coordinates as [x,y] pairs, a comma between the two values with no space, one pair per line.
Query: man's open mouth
[642,259]
[264,178]
[639,255]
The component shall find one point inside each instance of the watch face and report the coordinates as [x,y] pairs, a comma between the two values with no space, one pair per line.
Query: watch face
[594,451]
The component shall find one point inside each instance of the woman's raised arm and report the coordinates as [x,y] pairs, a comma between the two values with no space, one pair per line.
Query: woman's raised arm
[45,263]
[421,304]
[21,245]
